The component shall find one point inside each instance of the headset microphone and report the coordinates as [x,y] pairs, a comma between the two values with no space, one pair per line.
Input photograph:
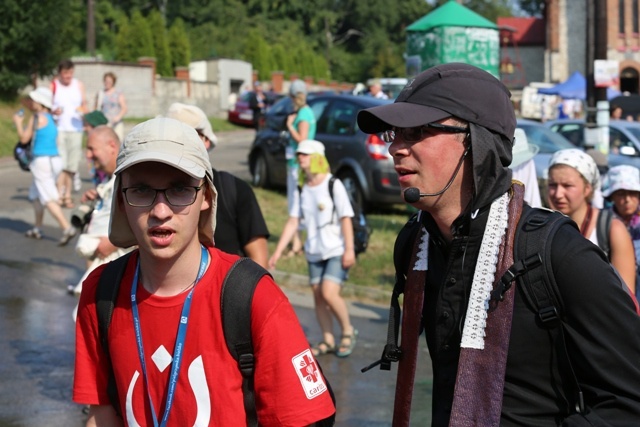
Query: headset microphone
[413,194]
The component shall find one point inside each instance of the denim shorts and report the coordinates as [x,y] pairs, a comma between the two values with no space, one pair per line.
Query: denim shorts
[329,269]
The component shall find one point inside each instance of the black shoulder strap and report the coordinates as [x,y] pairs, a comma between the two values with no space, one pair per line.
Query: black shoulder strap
[228,192]
[533,249]
[332,181]
[534,269]
[106,296]
[603,226]
[237,295]
[401,258]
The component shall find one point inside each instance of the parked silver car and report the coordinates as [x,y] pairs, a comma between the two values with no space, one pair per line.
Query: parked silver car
[624,139]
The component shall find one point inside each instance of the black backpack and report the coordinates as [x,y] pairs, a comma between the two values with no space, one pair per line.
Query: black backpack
[235,302]
[531,267]
[361,229]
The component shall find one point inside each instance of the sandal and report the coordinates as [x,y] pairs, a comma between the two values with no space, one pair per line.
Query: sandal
[34,233]
[66,202]
[68,234]
[346,349]
[322,348]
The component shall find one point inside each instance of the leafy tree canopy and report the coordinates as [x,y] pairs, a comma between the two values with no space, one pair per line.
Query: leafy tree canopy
[345,40]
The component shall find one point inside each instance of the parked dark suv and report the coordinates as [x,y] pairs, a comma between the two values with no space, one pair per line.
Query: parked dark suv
[360,160]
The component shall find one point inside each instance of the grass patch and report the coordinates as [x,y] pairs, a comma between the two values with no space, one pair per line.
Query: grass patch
[374,267]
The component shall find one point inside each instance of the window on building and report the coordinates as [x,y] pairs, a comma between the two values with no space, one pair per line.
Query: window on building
[621,16]
[635,17]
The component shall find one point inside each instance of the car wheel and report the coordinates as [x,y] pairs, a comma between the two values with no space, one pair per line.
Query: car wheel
[260,172]
[350,181]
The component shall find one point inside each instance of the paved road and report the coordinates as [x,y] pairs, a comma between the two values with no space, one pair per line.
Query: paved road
[36,329]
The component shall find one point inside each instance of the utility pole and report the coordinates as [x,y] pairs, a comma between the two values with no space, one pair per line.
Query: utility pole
[91,28]
[597,120]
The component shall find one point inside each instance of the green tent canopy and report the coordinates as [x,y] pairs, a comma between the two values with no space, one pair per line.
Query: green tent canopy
[451,14]
[452,33]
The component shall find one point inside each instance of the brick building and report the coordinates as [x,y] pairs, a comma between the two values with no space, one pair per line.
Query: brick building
[566,40]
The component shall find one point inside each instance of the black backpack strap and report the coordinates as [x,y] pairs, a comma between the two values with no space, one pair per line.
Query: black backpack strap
[538,285]
[236,298]
[332,181]
[401,258]
[106,296]
[603,226]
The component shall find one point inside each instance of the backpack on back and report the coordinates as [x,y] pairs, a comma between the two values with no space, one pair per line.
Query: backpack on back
[532,268]
[361,228]
[235,305]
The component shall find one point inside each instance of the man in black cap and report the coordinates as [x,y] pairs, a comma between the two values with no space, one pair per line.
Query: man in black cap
[494,363]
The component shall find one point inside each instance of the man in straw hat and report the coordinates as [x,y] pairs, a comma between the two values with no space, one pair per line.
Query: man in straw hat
[494,363]
[165,203]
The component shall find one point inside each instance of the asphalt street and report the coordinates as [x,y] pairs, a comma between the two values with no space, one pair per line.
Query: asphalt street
[37,331]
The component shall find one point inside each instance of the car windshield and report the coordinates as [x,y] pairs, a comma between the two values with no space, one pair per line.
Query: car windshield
[546,139]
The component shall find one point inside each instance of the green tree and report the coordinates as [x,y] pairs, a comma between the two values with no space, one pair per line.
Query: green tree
[179,44]
[533,7]
[258,52]
[160,43]
[134,38]
[28,46]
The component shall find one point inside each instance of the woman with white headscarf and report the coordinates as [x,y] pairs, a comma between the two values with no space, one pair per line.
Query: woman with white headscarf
[573,179]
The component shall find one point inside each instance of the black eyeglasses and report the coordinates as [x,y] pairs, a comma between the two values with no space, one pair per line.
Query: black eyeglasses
[416,134]
[142,197]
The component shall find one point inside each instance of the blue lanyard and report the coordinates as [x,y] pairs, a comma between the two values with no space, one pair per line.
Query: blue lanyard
[177,351]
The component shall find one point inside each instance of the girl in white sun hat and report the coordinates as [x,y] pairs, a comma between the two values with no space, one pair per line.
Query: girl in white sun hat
[621,186]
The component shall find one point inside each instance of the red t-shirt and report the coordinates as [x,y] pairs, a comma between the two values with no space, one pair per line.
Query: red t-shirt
[289,389]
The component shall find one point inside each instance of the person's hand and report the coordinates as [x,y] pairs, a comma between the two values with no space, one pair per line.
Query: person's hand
[273,260]
[88,195]
[290,120]
[17,120]
[348,259]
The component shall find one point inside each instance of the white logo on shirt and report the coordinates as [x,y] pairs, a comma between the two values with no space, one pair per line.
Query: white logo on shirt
[310,377]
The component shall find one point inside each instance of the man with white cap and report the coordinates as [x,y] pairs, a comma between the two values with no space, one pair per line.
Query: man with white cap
[165,202]
[241,228]
[495,359]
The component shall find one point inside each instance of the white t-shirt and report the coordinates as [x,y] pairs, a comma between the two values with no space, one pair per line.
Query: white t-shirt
[324,232]
[99,224]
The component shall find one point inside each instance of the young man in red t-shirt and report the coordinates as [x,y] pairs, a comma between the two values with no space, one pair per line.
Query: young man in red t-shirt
[166,341]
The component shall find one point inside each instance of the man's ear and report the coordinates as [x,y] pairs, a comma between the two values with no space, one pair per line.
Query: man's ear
[206,202]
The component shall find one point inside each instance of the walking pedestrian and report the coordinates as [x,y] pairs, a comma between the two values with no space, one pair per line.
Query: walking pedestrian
[621,186]
[301,126]
[494,363]
[573,178]
[165,203]
[329,245]
[46,164]
[69,104]
[112,103]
